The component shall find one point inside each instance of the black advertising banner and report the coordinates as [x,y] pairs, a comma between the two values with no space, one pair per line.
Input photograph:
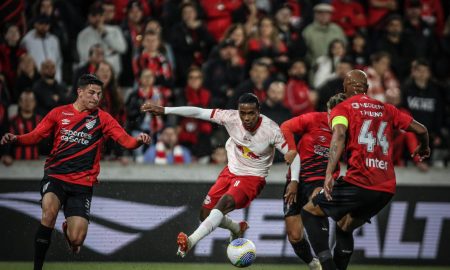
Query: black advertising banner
[139,221]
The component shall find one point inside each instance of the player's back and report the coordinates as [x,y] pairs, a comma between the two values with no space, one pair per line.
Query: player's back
[370,141]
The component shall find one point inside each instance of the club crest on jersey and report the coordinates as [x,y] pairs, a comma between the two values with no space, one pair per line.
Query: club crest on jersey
[355,105]
[247,153]
[90,124]
[65,121]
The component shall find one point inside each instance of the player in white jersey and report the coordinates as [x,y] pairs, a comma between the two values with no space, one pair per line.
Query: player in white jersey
[250,150]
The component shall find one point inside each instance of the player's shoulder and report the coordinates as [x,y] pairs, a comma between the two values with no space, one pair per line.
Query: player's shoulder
[268,123]
[65,110]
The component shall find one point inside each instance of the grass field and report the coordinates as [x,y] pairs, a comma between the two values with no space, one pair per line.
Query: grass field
[190,266]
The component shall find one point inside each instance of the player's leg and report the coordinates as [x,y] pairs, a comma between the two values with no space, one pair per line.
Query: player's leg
[344,240]
[77,213]
[50,206]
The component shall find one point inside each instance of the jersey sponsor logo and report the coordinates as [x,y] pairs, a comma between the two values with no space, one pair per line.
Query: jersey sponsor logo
[321,150]
[247,153]
[376,163]
[65,121]
[123,228]
[367,105]
[90,124]
[67,113]
[80,137]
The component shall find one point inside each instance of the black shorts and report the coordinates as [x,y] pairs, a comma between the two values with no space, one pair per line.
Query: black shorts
[350,199]
[75,199]
[305,190]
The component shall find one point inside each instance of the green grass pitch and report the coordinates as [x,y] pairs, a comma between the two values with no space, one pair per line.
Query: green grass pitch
[190,266]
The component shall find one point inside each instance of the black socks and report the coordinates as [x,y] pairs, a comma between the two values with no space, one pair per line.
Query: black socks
[41,243]
[344,248]
[303,250]
[317,228]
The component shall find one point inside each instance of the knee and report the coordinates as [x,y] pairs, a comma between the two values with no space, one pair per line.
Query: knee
[226,203]
[49,216]
[295,236]
[204,213]
[76,238]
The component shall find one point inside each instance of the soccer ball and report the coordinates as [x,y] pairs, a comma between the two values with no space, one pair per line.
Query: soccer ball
[241,252]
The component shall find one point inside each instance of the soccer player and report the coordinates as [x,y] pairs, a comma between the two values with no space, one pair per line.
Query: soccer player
[364,128]
[250,151]
[72,167]
[313,148]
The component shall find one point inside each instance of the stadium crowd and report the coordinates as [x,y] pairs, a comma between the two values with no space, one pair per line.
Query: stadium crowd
[291,54]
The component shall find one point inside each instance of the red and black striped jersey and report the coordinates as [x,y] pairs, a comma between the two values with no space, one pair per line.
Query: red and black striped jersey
[314,145]
[19,125]
[77,142]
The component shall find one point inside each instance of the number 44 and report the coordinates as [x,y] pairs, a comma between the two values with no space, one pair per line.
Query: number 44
[366,137]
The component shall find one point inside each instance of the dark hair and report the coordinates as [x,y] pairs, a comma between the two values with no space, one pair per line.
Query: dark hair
[378,56]
[420,62]
[335,100]
[249,98]
[87,79]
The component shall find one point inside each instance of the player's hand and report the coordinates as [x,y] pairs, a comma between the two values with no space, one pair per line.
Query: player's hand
[289,156]
[144,138]
[290,196]
[152,108]
[8,138]
[328,186]
[421,152]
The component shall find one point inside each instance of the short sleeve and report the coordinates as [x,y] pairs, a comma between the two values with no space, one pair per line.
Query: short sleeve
[278,139]
[400,119]
[222,117]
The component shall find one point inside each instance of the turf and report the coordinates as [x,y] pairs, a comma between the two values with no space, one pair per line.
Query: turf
[190,266]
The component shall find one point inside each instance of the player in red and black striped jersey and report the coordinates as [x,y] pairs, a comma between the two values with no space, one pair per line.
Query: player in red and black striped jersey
[72,167]
[313,148]
[364,128]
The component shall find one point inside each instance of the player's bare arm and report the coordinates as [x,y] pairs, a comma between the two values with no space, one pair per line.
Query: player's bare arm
[336,149]
[8,138]
[152,108]
[423,149]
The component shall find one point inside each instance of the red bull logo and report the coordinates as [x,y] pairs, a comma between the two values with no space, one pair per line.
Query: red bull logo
[247,153]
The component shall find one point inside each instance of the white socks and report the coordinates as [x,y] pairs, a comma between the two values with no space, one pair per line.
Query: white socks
[206,227]
[228,223]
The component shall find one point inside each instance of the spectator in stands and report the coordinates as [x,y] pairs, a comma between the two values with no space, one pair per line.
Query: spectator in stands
[400,48]
[48,92]
[109,11]
[443,62]
[267,43]
[349,15]
[273,105]
[11,53]
[193,133]
[191,41]
[152,58]
[167,150]
[358,51]
[256,84]
[96,55]
[5,101]
[417,30]
[132,29]
[298,98]
[424,99]
[333,85]
[218,15]
[380,77]
[219,156]
[248,15]
[289,32]
[25,121]
[111,102]
[166,48]
[223,73]
[121,8]
[325,65]
[27,75]
[138,122]
[432,13]
[237,33]
[42,45]
[378,10]
[321,32]
[97,32]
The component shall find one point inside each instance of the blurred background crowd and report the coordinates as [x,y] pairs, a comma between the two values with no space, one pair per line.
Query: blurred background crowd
[292,54]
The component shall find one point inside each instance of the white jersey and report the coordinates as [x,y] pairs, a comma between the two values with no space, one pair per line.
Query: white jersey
[249,153]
